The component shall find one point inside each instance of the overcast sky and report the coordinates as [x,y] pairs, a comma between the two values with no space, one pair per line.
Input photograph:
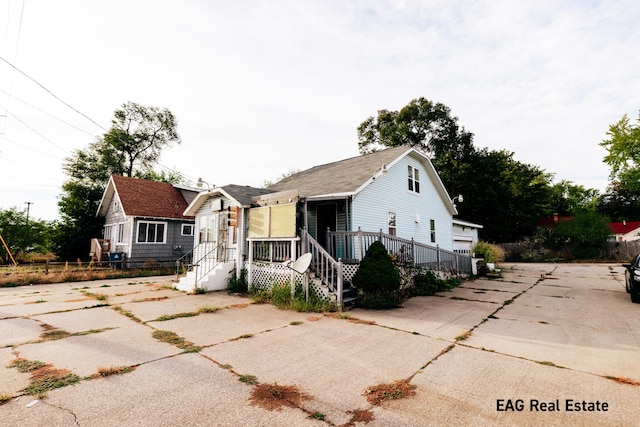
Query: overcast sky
[263,87]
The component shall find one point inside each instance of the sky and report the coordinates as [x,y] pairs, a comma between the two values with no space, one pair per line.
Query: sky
[260,88]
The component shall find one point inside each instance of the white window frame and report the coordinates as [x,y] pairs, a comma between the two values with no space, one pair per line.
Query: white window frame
[193,226]
[432,226]
[392,222]
[413,184]
[155,223]
[120,233]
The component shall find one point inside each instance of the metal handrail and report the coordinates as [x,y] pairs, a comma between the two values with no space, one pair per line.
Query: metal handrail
[211,259]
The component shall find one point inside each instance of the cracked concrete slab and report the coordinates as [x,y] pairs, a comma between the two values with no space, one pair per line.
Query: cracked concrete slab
[19,330]
[123,346]
[182,390]
[333,359]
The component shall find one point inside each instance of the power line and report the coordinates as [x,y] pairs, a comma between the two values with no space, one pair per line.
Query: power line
[44,112]
[52,94]
[36,132]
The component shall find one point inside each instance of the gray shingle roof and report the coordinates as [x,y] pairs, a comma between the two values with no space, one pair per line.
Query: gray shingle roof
[244,193]
[344,176]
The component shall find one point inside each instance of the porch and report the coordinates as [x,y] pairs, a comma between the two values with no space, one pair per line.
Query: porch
[333,267]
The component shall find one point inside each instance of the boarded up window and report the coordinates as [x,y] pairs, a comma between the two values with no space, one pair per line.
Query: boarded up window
[272,221]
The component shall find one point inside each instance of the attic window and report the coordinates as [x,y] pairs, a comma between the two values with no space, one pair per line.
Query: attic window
[116,205]
[414,179]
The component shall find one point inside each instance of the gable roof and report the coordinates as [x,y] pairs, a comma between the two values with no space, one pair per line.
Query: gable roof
[144,198]
[624,227]
[242,194]
[344,176]
[350,176]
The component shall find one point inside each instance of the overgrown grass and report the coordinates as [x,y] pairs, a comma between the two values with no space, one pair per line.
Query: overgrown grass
[22,276]
[44,377]
[127,313]
[280,296]
[174,339]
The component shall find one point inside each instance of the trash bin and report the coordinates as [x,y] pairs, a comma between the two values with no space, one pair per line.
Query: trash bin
[116,259]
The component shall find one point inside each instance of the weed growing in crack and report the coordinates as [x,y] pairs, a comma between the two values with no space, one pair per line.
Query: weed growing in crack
[274,396]
[623,380]
[112,370]
[359,416]
[174,339]
[166,317]
[464,336]
[381,393]
[53,335]
[248,379]
[129,314]
[44,377]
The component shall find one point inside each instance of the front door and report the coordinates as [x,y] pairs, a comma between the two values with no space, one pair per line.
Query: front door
[326,218]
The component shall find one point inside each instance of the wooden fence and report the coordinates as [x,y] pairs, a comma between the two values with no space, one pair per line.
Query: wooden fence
[531,251]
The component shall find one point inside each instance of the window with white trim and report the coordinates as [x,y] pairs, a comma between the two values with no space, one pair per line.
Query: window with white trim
[432,224]
[120,234]
[413,179]
[152,232]
[391,222]
[187,229]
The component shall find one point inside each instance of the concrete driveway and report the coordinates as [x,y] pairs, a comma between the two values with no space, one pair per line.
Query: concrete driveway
[544,345]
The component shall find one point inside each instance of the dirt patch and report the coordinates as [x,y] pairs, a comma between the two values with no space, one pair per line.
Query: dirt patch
[274,396]
[313,318]
[381,393]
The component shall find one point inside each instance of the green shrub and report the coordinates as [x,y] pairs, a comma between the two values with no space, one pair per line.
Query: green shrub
[377,279]
[237,284]
[492,253]
[426,283]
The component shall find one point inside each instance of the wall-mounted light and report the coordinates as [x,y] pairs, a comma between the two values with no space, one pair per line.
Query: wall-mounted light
[381,171]
[459,198]
[201,182]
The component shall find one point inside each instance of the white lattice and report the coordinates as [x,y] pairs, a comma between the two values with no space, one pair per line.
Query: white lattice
[265,275]
[349,270]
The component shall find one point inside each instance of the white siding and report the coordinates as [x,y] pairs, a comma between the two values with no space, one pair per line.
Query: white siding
[391,193]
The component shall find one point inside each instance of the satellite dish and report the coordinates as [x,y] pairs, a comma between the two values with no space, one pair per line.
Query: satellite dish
[302,263]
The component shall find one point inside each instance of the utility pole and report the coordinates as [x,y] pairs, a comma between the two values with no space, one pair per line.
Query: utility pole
[28,206]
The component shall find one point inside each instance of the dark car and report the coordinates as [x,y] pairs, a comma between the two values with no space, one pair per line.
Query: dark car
[632,278]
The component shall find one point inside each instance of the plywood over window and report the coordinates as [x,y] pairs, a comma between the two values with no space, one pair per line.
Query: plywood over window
[273,221]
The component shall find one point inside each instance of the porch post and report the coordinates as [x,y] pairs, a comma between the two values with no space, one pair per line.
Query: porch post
[339,273]
[413,251]
[250,262]
[294,256]
[360,244]
[438,256]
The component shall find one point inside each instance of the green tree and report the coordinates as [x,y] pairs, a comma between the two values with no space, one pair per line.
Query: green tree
[623,152]
[138,135]
[22,234]
[506,196]
[131,147]
[569,198]
[586,234]
[422,124]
